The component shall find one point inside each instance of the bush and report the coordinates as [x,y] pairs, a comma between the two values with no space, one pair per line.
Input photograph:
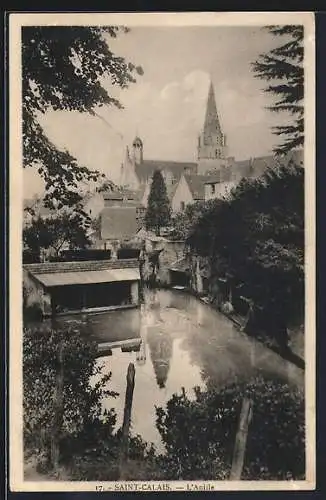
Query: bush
[200,435]
[82,409]
[32,312]
[30,257]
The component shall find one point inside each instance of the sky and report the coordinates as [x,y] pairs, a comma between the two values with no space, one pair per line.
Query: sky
[166,105]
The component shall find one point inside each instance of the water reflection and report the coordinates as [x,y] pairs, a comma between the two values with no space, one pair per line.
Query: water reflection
[160,342]
[182,342]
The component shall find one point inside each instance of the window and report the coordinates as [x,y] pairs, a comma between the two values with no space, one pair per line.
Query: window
[182,205]
[212,188]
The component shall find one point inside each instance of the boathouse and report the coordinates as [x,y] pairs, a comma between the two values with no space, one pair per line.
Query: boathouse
[89,286]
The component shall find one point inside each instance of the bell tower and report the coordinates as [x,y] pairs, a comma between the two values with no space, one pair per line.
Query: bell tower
[212,147]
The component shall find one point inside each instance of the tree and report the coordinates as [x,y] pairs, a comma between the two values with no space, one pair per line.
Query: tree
[54,232]
[158,210]
[184,221]
[199,433]
[256,238]
[283,65]
[81,397]
[63,68]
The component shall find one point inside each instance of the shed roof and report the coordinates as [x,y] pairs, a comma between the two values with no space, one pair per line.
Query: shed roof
[79,266]
[87,277]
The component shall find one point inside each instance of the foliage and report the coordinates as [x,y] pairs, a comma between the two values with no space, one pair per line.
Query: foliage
[54,232]
[63,69]
[283,65]
[158,210]
[100,462]
[183,222]
[106,186]
[82,399]
[199,435]
[256,236]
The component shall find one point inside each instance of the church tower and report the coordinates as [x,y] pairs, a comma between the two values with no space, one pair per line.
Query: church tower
[212,148]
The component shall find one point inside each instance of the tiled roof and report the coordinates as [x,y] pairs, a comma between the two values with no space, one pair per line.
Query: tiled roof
[171,189]
[250,168]
[125,196]
[113,195]
[87,277]
[196,185]
[146,169]
[119,222]
[223,175]
[89,265]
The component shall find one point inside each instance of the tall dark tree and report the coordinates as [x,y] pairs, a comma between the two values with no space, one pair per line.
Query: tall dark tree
[63,68]
[256,236]
[158,212]
[283,66]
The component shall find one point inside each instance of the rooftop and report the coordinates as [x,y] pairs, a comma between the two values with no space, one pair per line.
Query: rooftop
[89,265]
[146,169]
[251,168]
[119,222]
[196,185]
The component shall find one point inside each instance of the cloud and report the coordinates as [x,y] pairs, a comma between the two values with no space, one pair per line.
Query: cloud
[168,118]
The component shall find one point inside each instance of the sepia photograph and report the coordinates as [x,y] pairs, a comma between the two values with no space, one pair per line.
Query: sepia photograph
[162,250]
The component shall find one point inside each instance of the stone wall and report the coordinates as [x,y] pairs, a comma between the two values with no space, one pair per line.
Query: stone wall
[173,251]
[36,295]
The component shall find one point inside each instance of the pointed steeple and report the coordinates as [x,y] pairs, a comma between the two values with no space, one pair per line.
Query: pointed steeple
[212,148]
[212,126]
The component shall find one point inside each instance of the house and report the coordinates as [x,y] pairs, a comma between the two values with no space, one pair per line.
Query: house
[191,188]
[90,286]
[221,182]
[137,172]
[119,223]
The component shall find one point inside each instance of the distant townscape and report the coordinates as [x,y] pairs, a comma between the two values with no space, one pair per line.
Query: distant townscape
[120,212]
[164,313]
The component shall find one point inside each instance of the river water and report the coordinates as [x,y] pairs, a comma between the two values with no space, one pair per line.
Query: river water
[184,343]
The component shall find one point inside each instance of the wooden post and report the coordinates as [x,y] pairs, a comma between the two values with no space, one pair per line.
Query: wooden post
[127,418]
[241,440]
[58,409]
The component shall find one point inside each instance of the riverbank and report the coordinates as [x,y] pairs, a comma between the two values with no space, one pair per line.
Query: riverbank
[295,352]
[186,344]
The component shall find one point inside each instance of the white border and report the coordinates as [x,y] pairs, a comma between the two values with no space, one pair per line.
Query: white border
[16,21]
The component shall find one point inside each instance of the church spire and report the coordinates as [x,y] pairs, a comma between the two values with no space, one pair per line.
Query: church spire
[212,147]
[212,125]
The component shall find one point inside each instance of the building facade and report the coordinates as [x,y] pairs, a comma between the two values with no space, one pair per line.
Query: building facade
[213,175]
[91,286]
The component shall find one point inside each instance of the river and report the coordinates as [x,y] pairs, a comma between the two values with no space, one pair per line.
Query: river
[184,343]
